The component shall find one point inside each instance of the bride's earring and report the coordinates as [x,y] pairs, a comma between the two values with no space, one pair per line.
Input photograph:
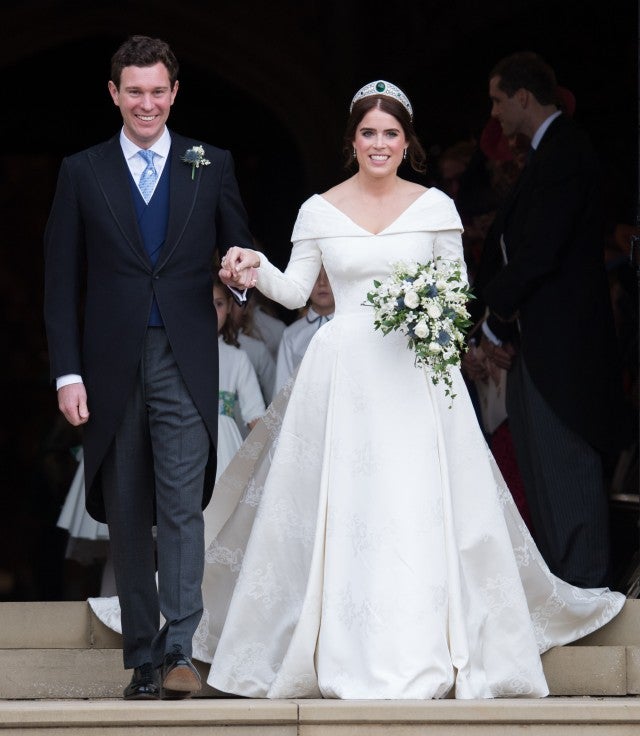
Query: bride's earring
[404,155]
[354,152]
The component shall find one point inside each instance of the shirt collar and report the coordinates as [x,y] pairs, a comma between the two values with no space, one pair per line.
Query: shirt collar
[312,316]
[160,147]
[537,136]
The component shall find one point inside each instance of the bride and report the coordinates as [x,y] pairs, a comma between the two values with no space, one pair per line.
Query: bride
[366,544]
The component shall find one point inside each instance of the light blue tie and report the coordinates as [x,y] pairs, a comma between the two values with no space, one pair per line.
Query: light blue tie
[149,176]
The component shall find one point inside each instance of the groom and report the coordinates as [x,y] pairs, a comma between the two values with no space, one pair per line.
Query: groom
[132,334]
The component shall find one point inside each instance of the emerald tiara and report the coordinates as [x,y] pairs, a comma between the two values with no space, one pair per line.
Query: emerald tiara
[382,88]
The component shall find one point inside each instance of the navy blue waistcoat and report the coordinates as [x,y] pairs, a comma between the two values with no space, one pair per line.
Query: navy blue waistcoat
[152,221]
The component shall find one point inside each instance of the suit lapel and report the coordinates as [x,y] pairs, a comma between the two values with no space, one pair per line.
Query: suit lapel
[112,174]
[183,191]
[113,177]
[521,187]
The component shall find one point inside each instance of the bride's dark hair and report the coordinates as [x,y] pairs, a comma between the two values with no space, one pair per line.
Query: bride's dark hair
[415,152]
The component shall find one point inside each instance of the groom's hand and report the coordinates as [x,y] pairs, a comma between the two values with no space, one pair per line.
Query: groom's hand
[238,268]
[72,402]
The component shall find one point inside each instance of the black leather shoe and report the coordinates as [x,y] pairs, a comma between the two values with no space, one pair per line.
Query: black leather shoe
[144,684]
[178,675]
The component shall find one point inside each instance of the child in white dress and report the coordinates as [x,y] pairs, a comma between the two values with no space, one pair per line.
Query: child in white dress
[239,396]
[88,539]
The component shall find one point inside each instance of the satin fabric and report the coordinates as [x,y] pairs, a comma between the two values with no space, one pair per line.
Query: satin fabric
[368,545]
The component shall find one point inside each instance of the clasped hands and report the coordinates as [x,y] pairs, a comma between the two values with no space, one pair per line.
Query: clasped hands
[238,268]
[485,362]
[500,356]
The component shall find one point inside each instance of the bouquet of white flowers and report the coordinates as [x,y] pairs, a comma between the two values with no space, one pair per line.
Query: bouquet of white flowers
[427,303]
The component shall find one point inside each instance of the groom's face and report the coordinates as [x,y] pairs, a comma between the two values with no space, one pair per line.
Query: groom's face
[144,97]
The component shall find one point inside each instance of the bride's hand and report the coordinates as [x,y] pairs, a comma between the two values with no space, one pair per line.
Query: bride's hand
[238,268]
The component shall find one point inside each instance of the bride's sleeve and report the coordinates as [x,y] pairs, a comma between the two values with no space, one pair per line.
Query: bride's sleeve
[292,287]
[448,246]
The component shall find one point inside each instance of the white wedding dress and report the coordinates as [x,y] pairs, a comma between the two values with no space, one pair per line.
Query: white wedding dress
[367,544]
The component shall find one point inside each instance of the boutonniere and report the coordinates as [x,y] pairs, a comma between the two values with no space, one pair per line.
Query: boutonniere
[195,157]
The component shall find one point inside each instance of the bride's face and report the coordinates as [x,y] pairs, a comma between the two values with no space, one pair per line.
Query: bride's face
[379,143]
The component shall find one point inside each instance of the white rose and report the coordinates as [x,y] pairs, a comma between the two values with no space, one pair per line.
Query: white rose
[411,299]
[421,329]
[433,310]
[395,290]
[441,284]
[434,347]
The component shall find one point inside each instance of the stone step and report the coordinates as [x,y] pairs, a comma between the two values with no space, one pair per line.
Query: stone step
[547,717]
[54,625]
[624,629]
[35,674]
[73,625]
[30,674]
[62,651]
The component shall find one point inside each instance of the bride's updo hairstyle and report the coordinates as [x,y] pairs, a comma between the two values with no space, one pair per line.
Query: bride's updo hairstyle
[416,155]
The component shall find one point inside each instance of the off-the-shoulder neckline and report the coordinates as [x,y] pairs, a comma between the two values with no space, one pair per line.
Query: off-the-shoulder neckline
[364,229]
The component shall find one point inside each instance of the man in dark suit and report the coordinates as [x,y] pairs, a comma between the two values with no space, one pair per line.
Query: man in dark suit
[129,250]
[551,324]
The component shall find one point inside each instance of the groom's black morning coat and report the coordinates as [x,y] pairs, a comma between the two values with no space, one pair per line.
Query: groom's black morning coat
[94,250]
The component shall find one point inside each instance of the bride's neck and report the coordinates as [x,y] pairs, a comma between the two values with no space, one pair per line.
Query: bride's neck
[376,188]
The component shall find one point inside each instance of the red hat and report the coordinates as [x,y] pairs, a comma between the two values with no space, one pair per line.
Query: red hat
[566,101]
[493,142]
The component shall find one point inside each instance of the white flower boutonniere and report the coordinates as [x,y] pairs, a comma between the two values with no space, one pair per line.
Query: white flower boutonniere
[427,303]
[195,157]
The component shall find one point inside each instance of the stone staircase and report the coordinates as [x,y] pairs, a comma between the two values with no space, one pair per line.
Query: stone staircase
[62,674]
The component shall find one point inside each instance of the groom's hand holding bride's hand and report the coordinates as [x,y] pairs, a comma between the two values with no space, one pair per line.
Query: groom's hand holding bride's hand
[238,268]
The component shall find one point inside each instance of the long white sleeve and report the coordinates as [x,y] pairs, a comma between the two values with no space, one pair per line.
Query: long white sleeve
[293,287]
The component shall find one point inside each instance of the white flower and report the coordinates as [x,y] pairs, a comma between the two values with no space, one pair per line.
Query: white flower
[411,299]
[434,310]
[421,329]
[194,156]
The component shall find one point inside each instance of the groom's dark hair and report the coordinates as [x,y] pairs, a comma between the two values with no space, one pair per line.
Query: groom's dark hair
[143,51]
